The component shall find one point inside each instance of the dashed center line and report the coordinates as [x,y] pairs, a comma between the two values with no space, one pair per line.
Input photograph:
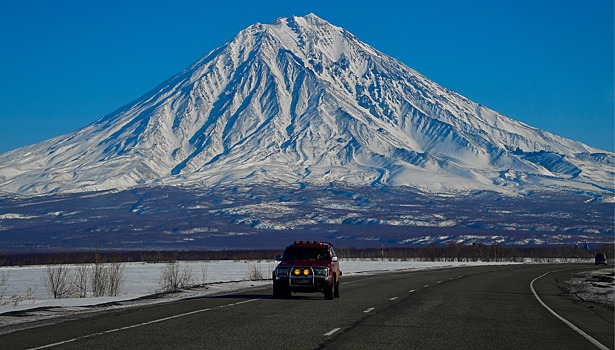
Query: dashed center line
[411,291]
[393,298]
[425,286]
[332,331]
[369,310]
[141,324]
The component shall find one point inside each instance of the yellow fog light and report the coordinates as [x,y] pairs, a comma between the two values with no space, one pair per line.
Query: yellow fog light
[297,272]
[306,272]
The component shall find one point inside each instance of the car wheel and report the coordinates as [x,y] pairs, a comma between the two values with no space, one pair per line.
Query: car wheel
[336,291]
[330,291]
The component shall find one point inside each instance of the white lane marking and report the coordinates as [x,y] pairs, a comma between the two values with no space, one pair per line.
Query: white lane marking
[439,282]
[138,325]
[575,328]
[332,331]
[393,298]
[369,310]
[425,286]
[411,291]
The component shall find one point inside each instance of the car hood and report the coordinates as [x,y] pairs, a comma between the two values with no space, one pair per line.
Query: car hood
[310,263]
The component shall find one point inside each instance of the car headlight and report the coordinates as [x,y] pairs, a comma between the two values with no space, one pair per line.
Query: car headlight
[319,271]
[282,271]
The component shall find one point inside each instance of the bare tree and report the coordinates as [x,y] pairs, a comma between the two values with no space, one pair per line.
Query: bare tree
[99,279]
[255,272]
[115,277]
[174,278]
[4,283]
[204,272]
[187,277]
[56,280]
[80,280]
[107,278]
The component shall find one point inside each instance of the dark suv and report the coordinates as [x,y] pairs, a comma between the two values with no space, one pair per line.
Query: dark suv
[600,259]
[307,266]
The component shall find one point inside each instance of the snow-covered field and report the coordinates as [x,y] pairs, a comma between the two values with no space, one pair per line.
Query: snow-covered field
[23,289]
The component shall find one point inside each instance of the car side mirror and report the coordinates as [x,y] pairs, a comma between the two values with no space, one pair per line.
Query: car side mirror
[334,259]
[278,257]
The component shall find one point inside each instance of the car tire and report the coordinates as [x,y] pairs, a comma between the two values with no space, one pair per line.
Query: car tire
[336,290]
[330,291]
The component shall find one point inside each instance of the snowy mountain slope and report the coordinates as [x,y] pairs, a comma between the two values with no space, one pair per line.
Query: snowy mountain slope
[303,101]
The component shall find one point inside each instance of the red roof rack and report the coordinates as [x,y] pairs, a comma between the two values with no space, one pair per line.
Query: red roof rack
[313,242]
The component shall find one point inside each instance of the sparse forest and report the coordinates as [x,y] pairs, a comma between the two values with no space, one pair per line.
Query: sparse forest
[433,252]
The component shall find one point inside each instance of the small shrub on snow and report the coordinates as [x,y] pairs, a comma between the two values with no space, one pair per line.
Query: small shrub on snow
[255,272]
[4,283]
[173,277]
[56,279]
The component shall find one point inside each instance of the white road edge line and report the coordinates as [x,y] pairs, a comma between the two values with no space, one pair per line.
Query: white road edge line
[332,331]
[575,328]
[137,325]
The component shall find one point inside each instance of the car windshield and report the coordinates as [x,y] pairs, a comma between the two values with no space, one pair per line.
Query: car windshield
[302,253]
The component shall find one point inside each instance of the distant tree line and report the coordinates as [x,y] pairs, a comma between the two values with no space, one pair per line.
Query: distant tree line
[433,252]
[153,256]
[475,252]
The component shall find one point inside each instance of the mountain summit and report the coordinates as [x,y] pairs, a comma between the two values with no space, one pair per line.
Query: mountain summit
[301,101]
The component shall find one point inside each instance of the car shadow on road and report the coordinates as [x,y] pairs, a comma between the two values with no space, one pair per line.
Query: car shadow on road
[253,296]
[232,296]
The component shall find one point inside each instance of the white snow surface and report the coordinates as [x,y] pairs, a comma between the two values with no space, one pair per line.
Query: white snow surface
[303,101]
[596,286]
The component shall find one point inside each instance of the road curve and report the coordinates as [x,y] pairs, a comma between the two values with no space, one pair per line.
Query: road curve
[460,308]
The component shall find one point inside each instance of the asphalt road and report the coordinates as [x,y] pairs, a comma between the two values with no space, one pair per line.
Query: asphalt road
[459,308]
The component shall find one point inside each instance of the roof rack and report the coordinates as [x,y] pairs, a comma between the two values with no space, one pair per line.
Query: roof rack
[313,242]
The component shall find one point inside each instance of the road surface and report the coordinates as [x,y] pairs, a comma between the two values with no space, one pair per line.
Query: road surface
[458,308]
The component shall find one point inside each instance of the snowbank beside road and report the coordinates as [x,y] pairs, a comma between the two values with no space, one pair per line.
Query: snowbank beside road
[596,286]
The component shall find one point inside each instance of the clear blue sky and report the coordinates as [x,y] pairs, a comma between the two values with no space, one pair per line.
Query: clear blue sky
[548,63]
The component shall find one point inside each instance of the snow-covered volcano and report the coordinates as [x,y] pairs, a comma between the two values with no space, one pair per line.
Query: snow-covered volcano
[301,101]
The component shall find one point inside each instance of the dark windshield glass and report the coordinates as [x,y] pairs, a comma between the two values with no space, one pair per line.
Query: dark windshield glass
[302,253]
